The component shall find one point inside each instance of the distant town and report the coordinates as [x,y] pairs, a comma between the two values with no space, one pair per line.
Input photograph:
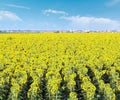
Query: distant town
[55,31]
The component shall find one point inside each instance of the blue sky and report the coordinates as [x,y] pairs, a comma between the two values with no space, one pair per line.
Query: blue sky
[59,15]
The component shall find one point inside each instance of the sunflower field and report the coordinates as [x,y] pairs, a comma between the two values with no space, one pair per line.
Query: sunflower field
[60,66]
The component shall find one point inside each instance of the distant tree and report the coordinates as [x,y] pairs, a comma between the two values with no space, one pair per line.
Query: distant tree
[57,31]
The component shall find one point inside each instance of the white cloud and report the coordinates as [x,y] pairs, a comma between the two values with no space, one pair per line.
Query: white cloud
[0,17]
[52,11]
[17,6]
[113,2]
[9,15]
[92,23]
